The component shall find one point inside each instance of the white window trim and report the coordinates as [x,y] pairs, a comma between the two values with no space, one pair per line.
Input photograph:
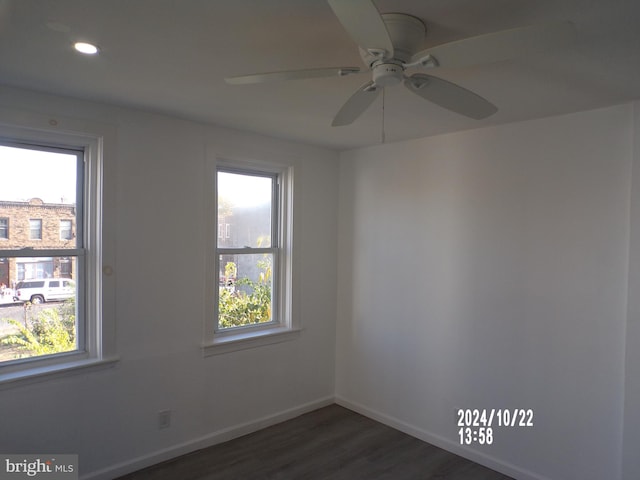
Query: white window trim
[288,326]
[94,138]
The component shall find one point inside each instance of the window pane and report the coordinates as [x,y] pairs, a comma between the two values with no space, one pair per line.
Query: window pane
[35,229]
[38,193]
[245,210]
[38,314]
[18,270]
[245,289]
[66,230]
[4,229]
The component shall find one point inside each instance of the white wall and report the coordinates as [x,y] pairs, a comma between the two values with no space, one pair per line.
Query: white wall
[483,269]
[631,459]
[488,269]
[109,417]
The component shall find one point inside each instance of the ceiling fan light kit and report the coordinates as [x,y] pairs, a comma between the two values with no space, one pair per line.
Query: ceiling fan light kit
[390,44]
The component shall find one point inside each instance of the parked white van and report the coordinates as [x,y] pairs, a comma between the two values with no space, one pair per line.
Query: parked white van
[45,290]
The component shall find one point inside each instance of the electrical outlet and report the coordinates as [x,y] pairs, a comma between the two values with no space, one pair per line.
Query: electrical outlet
[164,419]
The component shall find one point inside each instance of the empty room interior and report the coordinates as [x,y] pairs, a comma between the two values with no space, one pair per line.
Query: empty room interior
[424,211]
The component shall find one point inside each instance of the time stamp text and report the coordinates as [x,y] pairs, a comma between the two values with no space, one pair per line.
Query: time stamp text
[477,425]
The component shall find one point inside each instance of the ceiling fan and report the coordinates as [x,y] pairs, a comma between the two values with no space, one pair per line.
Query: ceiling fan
[390,44]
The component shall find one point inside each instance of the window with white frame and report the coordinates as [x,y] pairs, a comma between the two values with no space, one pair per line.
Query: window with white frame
[252,259]
[4,228]
[42,174]
[247,263]
[62,328]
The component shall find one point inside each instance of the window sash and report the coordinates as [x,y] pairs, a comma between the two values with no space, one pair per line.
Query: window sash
[275,275]
[48,252]
[82,340]
[275,198]
[81,194]
[246,250]
[84,344]
[274,250]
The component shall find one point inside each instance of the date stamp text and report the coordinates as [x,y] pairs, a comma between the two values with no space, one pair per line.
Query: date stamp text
[477,425]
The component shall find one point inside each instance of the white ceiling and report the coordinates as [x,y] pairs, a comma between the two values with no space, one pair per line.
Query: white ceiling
[171,56]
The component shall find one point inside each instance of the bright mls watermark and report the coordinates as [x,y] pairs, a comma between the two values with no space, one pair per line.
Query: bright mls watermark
[51,467]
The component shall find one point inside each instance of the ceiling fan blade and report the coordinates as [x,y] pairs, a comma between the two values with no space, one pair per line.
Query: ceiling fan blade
[356,105]
[497,46]
[291,75]
[450,96]
[363,22]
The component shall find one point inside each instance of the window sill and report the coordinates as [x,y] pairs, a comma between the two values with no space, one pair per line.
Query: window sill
[242,341]
[50,372]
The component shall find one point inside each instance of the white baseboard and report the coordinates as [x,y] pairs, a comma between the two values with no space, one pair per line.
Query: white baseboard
[439,441]
[245,428]
[206,441]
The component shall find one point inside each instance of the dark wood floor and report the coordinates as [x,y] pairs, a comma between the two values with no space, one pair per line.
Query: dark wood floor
[332,443]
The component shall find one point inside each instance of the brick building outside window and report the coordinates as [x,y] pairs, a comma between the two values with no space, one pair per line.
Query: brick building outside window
[57,230]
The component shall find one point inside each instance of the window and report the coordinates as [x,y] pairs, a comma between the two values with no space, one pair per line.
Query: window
[53,186]
[65,230]
[41,174]
[35,229]
[40,267]
[252,258]
[65,267]
[4,229]
[247,263]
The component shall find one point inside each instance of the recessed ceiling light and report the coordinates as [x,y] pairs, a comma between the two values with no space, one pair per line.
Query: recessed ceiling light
[86,48]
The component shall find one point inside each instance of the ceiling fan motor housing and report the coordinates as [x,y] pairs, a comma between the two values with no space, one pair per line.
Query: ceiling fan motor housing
[387,74]
[407,34]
